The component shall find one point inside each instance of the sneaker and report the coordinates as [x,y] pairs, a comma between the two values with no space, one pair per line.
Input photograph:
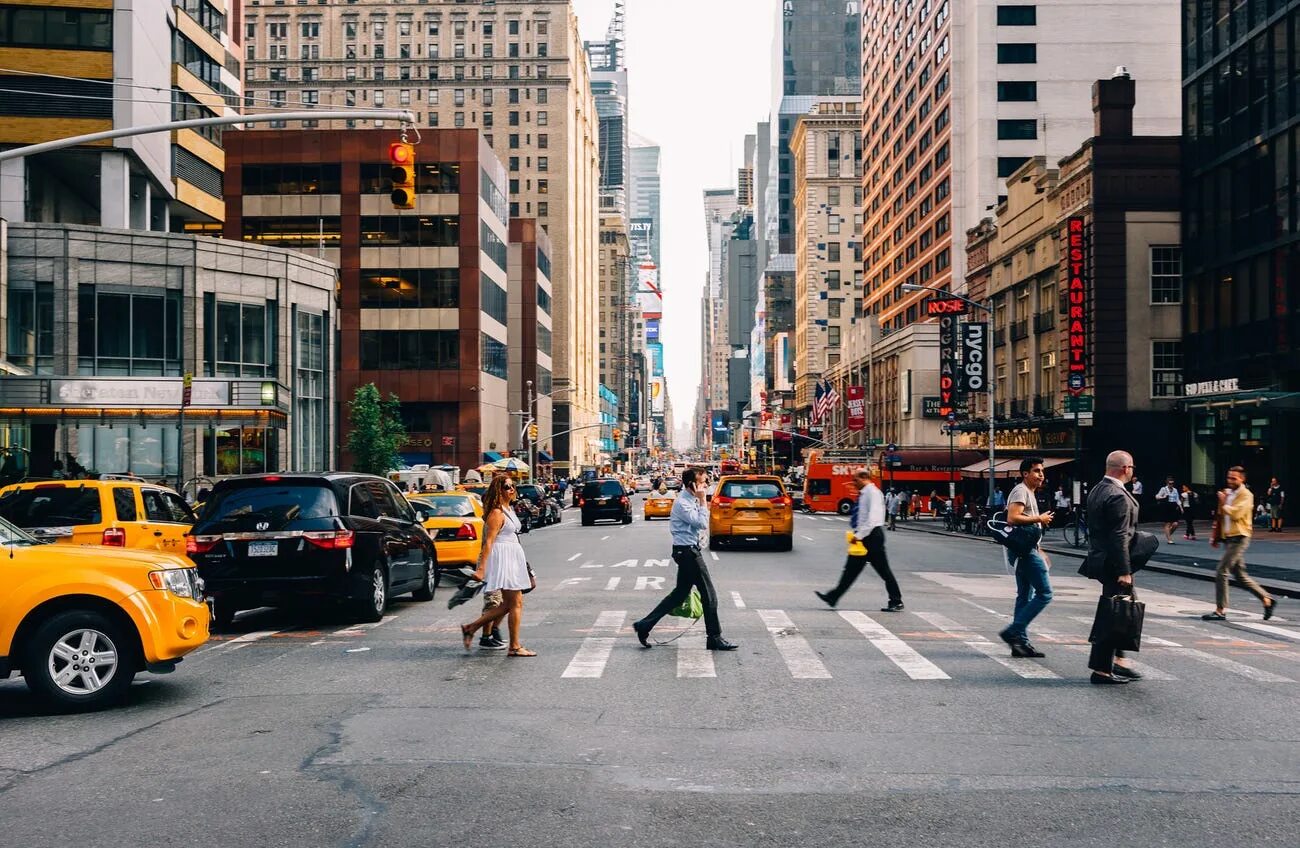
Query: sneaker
[1271,608]
[491,643]
[898,607]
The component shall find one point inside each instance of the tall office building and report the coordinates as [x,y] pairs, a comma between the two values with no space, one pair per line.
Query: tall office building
[1241,238]
[161,62]
[719,221]
[514,69]
[816,53]
[956,96]
[644,198]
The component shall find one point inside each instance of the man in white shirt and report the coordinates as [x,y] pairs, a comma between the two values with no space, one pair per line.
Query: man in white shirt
[869,529]
[1033,588]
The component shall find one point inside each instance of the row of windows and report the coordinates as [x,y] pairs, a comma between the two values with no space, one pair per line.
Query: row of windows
[494,357]
[422,288]
[1210,27]
[410,350]
[492,300]
[281,73]
[56,28]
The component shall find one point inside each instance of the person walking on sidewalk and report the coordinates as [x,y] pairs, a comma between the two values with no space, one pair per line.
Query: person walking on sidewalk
[1275,497]
[690,517]
[891,505]
[1033,588]
[1112,515]
[1232,527]
[1170,505]
[1188,502]
[868,528]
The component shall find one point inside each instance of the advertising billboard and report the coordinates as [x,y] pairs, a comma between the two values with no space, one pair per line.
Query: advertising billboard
[656,350]
[1077,348]
[652,330]
[657,396]
[649,297]
[856,407]
[720,424]
[781,356]
[640,233]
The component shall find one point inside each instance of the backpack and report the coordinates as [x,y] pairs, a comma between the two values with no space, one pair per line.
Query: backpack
[1019,539]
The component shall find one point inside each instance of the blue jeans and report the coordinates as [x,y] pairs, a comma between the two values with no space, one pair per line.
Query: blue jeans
[1033,591]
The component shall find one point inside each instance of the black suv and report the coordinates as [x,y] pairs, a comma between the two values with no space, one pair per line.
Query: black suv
[280,539]
[605,498]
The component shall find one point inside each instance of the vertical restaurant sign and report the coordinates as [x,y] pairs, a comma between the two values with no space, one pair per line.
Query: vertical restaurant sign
[1077,298]
[948,364]
[856,404]
[974,341]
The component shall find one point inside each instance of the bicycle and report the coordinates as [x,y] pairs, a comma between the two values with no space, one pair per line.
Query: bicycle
[1074,529]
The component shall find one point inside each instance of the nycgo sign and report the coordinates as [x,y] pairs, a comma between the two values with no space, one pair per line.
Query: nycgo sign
[973,339]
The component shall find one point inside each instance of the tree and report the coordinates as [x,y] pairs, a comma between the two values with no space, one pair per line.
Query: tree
[377,432]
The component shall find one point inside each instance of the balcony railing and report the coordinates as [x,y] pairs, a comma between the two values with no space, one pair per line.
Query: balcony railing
[1020,330]
[1019,409]
[999,336]
[1044,321]
[1045,406]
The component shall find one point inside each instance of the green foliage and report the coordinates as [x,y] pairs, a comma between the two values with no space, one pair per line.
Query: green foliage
[376,433]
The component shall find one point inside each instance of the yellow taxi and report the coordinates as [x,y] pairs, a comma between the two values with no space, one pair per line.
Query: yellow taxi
[658,506]
[80,623]
[477,489]
[118,513]
[751,508]
[455,523]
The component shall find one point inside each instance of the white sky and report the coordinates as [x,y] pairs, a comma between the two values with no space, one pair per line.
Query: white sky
[698,79]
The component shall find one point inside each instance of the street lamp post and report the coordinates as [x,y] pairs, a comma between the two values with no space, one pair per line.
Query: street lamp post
[988,381]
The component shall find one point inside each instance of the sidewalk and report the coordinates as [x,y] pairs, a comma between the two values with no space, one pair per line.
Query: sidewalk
[1273,559]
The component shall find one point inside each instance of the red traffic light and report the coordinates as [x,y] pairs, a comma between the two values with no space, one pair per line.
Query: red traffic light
[401,153]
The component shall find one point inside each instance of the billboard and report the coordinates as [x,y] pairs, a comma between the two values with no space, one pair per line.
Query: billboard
[657,396]
[974,356]
[720,424]
[652,330]
[856,406]
[781,358]
[1077,348]
[656,359]
[649,297]
[640,232]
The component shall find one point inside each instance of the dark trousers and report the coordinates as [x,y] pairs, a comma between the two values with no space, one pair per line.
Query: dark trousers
[691,571]
[1102,657]
[875,543]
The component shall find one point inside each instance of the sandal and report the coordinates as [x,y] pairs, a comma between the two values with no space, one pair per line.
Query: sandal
[467,636]
[521,652]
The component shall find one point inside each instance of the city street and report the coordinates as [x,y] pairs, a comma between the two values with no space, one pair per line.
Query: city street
[840,727]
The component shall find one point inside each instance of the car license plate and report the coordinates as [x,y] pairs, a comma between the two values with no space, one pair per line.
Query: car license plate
[600,500]
[260,549]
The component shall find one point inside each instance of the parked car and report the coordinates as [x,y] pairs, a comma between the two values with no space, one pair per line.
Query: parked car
[280,539]
[455,521]
[543,512]
[605,499]
[118,513]
[751,508]
[81,622]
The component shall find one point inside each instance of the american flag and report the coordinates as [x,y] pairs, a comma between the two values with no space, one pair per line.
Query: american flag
[817,403]
[826,400]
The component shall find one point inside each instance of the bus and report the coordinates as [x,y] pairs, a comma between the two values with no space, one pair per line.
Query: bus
[829,475]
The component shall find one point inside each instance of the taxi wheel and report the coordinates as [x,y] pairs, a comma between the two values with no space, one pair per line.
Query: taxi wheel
[714,543]
[845,507]
[627,519]
[430,584]
[79,660]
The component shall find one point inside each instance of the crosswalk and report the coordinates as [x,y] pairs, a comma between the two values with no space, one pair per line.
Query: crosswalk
[814,648]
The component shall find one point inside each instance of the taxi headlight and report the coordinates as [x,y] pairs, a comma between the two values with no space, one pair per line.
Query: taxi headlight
[181,582]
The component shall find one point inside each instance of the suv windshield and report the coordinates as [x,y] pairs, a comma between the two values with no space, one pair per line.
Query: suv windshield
[603,489]
[245,507]
[759,489]
[52,505]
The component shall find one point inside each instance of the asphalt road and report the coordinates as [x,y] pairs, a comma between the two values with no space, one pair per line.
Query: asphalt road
[844,727]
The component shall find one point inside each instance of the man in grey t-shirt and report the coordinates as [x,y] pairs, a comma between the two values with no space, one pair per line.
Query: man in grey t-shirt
[1033,589]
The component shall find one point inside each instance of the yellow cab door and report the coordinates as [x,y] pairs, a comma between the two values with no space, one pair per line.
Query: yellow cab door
[123,519]
[167,519]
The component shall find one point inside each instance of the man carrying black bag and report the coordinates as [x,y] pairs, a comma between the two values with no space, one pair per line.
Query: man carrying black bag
[1112,523]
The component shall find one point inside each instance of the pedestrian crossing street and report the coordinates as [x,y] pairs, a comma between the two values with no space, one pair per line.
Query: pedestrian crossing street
[926,646]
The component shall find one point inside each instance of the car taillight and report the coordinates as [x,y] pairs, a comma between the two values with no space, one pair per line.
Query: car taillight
[781,500]
[330,539]
[466,533]
[200,544]
[623,500]
[115,537]
[722,500]
[582,501]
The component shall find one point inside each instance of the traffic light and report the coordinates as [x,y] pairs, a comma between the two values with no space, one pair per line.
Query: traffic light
[401,156]
[618,434]
[532,432]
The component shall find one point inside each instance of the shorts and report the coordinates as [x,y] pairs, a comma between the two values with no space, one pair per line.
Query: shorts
[1275,512]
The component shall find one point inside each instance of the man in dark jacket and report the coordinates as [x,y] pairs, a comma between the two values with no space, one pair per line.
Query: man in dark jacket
[1112,522]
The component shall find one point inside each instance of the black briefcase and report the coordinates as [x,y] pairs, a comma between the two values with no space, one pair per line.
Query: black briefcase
[1118,623]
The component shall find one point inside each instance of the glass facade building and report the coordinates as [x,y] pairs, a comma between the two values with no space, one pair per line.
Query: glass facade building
[1241,244]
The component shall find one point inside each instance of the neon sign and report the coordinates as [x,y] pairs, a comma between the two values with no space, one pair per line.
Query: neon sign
[1077,300]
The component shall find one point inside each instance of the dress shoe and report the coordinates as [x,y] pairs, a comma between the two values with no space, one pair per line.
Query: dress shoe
[827,599]
[1125,671]
[1010,639]
[898,607]
[717,643]
[1106,679]
[642,634]
[1025,650]
[1270,609]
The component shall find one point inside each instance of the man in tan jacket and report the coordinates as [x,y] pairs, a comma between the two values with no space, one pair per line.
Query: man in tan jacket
[1232,526]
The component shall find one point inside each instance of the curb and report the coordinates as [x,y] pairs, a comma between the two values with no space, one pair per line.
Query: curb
[1286,588]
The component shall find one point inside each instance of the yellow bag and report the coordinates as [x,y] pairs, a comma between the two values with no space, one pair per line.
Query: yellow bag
[856,548]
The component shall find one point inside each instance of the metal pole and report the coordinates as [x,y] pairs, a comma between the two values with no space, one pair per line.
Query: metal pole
[532,443]
[1077,434]
[990,376]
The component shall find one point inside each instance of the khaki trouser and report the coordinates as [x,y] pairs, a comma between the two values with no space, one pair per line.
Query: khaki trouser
[1233,564]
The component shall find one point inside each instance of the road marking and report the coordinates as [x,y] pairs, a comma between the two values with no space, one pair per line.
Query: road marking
[899,652]
[1270,629]
[1249,672]
[593,654]
[840,518]
[1146,637]
[575,556]
[739,601]
[799,656]
[1070,643]
[809,538]
[986,609]
[714,554]
[248,639]
[373,624]
[694,661]
[613,583]
[571,581]
[603,538]
[1025,668]
[649,581]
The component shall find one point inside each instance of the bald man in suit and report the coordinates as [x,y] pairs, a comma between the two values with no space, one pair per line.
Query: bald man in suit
[1112,523]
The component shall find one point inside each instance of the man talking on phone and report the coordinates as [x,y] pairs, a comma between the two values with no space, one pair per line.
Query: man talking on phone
[690,516]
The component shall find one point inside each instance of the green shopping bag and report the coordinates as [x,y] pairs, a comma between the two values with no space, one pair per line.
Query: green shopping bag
[692,607]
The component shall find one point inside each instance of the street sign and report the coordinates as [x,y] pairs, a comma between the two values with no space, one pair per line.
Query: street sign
[187,388]
[1075,383]
[1079,403]
[875,442]
[945,306]
[893,448]
[449,441]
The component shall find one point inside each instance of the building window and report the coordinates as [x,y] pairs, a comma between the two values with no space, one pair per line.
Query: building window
[833,251]
[242,337]
[310,392]
[59,28]
[410,350]
[1017,54]
[125,335]
[31,327]
[495,359]
[1166,368]
[1017,15]
[833,336]
[1017,128]
[1007,165]
[1166,273]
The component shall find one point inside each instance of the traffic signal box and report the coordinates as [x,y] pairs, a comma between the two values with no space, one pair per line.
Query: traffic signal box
[532,432]
[401,156]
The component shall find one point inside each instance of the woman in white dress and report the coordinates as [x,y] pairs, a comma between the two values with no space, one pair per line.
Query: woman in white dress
[502,565]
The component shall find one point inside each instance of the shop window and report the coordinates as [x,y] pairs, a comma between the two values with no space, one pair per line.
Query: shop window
[137,334]
[240,450]
[146,451]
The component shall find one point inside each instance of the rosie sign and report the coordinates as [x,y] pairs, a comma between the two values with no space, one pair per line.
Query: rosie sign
[1077,298]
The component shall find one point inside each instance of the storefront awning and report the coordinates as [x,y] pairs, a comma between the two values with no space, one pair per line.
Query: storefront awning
[545,458]
[1006,467]
[492,456]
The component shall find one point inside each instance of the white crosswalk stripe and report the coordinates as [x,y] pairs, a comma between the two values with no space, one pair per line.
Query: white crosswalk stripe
[1293,635]
[1071,643]
[593,654]
[899,652]
[1000,654]
[1241,669]
[799,656]
[694,660]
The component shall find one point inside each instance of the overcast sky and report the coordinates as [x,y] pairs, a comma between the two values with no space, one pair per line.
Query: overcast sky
[698,74]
